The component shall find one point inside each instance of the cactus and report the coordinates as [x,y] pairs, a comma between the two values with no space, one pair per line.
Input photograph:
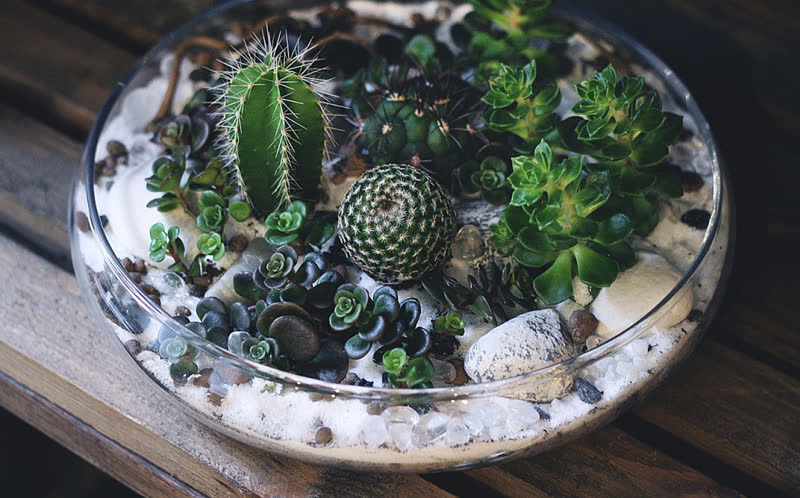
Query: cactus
[275,125]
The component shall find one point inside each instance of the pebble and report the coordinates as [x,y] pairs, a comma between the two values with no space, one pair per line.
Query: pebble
[636,291]
[237,243]
[587,392]
[457,432]
[543,415]
[82,221]
[373,431]
[400,415]
[149,290]
[134,347]
[323,435]
[127,264]
[593,341]
[402,435]
[376,407]
[201,380]
[521,345]
[183,311]
[581,325]
[696,218]
[116,148]
[461,377]
[691,181]
[468,244]
[695,315]
[201,281]
[139,266]
[430,428]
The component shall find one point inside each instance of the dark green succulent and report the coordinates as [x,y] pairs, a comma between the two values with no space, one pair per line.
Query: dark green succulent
[404,373]
[285,227]
[350,304]
[516,106]
[457,297]
[555,220]
[262,350]
[623,126]
[166,178]
[523,17]
[487,174]
[449,324]
[274,272]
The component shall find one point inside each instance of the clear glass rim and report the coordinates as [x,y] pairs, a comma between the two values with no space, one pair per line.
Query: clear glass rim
[596,27]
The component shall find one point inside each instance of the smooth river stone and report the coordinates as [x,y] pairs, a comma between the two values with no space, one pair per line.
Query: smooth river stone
[636,292]
[521,345]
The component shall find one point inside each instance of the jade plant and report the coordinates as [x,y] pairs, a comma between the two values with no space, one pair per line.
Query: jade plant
[405,372]
[167,242]
[449,324]
[517,106]
[554,220]
[274,125]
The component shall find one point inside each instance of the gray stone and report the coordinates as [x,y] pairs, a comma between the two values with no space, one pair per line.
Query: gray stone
[521,345]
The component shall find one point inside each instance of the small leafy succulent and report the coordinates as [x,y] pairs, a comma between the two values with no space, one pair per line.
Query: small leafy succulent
[404,373]
[213,214]
[457,297]
[166,178]
[522,17]
[262,350]
[515,106]
[285,227]
[164,243]
[274,272]
[554,219]
[623,126]
[211,244]
[487,174]
[186,135]
[350,304]
[449,324]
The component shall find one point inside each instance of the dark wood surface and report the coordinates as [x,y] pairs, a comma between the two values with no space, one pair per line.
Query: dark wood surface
[728,422]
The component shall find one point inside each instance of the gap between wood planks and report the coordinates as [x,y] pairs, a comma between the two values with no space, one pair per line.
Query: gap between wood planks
[76,95]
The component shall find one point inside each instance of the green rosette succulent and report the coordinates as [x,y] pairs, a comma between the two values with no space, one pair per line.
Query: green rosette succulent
[407,374]
[274,271]
[449,324]
[487,174]
[213,212]
[212,245]
[554,220]
[622,125]
[283,227]
[516,106]
[351,304]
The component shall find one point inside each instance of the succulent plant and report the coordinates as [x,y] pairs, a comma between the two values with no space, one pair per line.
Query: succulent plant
[516,106]
[286,226]
[487,174]
[411,116]
[211,244]
[554,219]
[166,178]
[274,125]
[449,324]
[186,135]
[407,373]
[396,223]
[457,297]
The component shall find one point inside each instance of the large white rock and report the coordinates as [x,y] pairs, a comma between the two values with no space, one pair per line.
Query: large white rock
[636,292]
[521,345]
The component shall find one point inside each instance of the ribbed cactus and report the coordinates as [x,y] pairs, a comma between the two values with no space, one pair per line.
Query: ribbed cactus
[275,125]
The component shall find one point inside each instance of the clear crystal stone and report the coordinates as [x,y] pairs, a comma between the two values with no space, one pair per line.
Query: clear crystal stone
[402,435]
[473,423]
[488,412]
[430,428]
[521,415]
[457,432]
[373,431]
[400,415]
[593,341]
[468,244]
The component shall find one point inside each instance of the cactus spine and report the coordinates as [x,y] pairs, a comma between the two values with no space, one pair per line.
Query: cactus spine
[275,125]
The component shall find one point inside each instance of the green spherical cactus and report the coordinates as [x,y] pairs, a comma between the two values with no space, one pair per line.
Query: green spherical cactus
[275,126]
[396,223]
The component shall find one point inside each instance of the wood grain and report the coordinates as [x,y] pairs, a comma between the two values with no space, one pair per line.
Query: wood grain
[61,69]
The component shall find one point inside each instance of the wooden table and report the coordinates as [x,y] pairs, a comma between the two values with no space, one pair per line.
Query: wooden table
[728,422]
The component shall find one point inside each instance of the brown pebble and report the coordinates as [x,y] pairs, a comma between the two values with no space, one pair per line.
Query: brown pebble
[461,374]
[323,435]
[122,161]
[581,325]
[82,221]
[691,181]
[139,266]
[183,311]
[133,347]
[215,399]
[338,178]
[376,407]
[201,281]
[237,243]
[149,289]
[137,277]
[155,298]
[109,170]
[227,375]
[127,264]
[116,148]
[350,379]
[316,396]
[104,220]
[202,377]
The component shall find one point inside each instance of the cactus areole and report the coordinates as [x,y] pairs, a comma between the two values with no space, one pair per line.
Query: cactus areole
[275,128]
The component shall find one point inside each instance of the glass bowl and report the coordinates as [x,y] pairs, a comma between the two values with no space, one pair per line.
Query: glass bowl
[407,430]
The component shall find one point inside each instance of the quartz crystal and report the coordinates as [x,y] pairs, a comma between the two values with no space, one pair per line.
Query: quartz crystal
[402,435]
[468,244]
[521,415]
[400,415]
[473,423]
[457,432]
[430,428]
[373,431]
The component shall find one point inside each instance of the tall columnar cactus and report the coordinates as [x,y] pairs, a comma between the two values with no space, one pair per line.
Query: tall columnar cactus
[275,125]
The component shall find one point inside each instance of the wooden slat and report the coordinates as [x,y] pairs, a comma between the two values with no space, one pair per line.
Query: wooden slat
[47,63]
[611,464]
[737,409]
[58,352]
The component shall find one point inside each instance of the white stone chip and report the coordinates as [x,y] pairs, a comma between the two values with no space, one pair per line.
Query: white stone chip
[638,290]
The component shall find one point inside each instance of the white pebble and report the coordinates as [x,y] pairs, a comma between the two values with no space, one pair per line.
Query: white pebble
[402,435]
[473,423]
[457,432]
[430,428]
[373,431]
[400,415]
[637,347]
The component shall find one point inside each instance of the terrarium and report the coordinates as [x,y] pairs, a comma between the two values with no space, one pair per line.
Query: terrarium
[402,237]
